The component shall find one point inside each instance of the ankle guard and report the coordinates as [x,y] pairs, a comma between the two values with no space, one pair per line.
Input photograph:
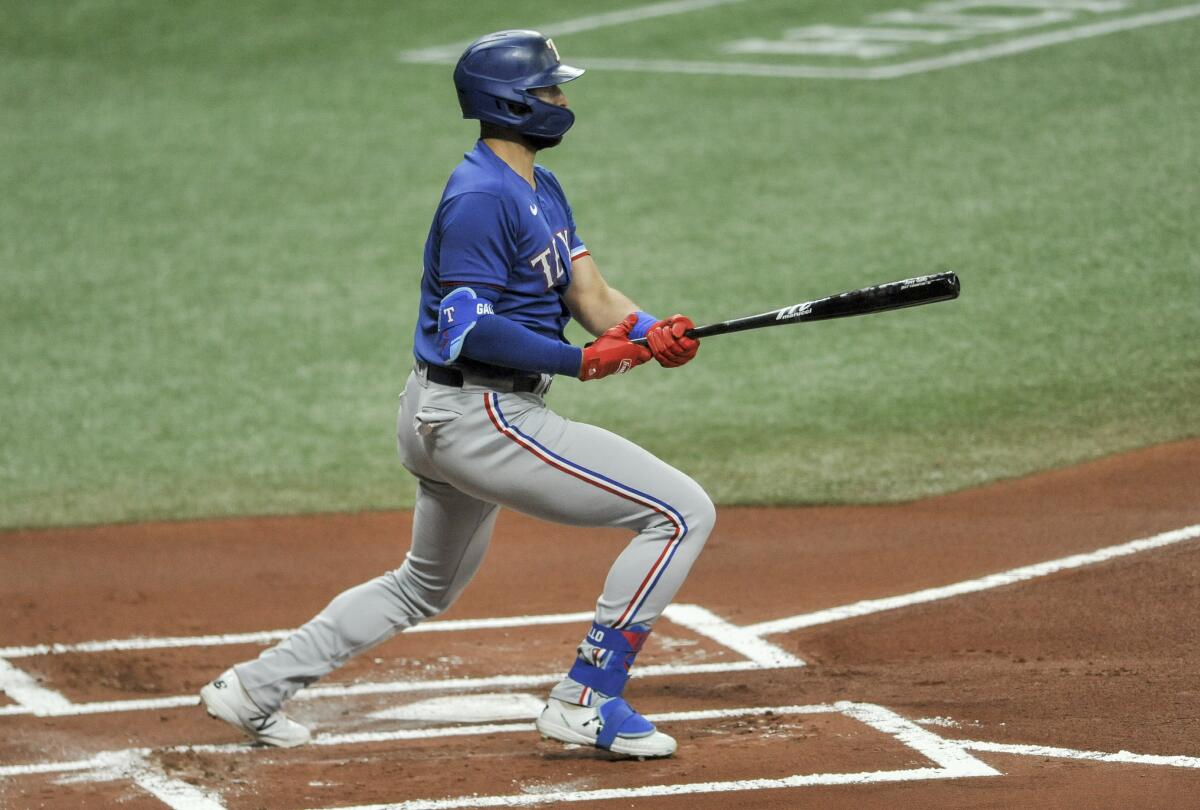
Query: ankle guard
[609,655]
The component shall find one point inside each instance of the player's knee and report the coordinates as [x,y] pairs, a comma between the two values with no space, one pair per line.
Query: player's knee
[701,517]
[422,598]
[439,600]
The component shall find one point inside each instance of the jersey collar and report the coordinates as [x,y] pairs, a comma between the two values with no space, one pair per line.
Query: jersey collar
[487,153]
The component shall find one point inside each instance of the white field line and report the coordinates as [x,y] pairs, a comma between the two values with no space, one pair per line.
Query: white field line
[937,749]
[656,791]
[109,760]
[42,703]
[783,625]
[955,762]
[706,623]
[798,71]
[1035,41]
[100,763]
[442,54]
[174,793]
[141,643]
[487,707]
[1068,753]
[129,764]
[648,11]
[438,732]
[457,684]
[268,636]
[28,693]
[380,688]
[708,68]
[1027,572]
[946,753]
[105,706]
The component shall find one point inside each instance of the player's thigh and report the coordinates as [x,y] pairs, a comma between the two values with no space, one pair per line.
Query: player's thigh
[528,458]
[445,520]
[451,528]
[451,533]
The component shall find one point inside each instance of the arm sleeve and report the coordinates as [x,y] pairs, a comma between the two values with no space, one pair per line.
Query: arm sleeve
[476,241]
[501,342]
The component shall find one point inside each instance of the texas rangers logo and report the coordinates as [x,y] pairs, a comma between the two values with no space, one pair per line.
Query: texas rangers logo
[550,261]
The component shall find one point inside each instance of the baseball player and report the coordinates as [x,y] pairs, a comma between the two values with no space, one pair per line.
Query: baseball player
[505,269]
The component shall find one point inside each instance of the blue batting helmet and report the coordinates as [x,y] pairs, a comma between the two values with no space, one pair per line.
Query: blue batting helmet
[495,74]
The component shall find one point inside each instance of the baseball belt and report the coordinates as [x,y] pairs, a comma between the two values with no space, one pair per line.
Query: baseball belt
[497,379]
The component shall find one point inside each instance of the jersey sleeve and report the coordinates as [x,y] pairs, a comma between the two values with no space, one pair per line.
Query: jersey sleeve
[574,241]
[477,244]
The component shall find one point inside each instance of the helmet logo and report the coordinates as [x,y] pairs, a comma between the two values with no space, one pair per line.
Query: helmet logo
[553,50]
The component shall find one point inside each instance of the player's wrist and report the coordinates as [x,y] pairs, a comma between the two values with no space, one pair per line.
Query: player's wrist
[645,322]
[612,352]
[570,361]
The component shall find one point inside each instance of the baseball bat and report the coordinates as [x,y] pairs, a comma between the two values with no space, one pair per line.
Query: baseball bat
[910,292]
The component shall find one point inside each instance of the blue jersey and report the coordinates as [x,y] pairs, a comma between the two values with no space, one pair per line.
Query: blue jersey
[511,243]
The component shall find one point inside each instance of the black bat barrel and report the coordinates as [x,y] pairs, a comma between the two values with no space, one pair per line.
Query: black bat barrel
[910,292]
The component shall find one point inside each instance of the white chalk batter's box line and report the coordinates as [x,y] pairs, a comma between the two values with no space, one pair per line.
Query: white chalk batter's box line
[951,758]
[36,699]
[33,698]
[883,34]
[950,755]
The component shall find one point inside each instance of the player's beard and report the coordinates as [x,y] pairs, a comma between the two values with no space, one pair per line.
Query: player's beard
[539,142]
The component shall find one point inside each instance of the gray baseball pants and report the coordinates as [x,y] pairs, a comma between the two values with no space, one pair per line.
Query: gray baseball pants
[473,450]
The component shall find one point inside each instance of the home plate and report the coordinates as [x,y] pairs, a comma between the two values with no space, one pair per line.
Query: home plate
[467,708]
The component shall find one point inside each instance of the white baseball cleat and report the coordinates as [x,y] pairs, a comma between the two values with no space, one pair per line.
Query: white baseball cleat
[226,699]
[612,725]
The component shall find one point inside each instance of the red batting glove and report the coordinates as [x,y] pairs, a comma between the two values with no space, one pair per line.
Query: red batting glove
[612,353]
[670,347]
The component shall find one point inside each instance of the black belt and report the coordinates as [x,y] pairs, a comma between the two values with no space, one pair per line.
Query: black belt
[508,382]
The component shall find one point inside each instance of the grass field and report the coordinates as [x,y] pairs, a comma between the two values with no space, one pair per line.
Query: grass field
[213,215]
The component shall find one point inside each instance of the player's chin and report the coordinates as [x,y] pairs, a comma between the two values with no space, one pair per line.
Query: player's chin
[540,142]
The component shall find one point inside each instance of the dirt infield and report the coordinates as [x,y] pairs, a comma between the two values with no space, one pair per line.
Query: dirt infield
[823,657]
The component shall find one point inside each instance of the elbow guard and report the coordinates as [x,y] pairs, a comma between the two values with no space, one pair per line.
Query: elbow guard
[457,315]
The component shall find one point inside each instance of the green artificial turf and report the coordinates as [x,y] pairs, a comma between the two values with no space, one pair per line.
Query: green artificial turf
[213,215]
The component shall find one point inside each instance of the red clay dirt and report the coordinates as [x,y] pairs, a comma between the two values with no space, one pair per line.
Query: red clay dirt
[1103,657]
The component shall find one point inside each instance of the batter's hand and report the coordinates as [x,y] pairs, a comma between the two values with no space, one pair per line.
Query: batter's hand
[612,353]
[668,343]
